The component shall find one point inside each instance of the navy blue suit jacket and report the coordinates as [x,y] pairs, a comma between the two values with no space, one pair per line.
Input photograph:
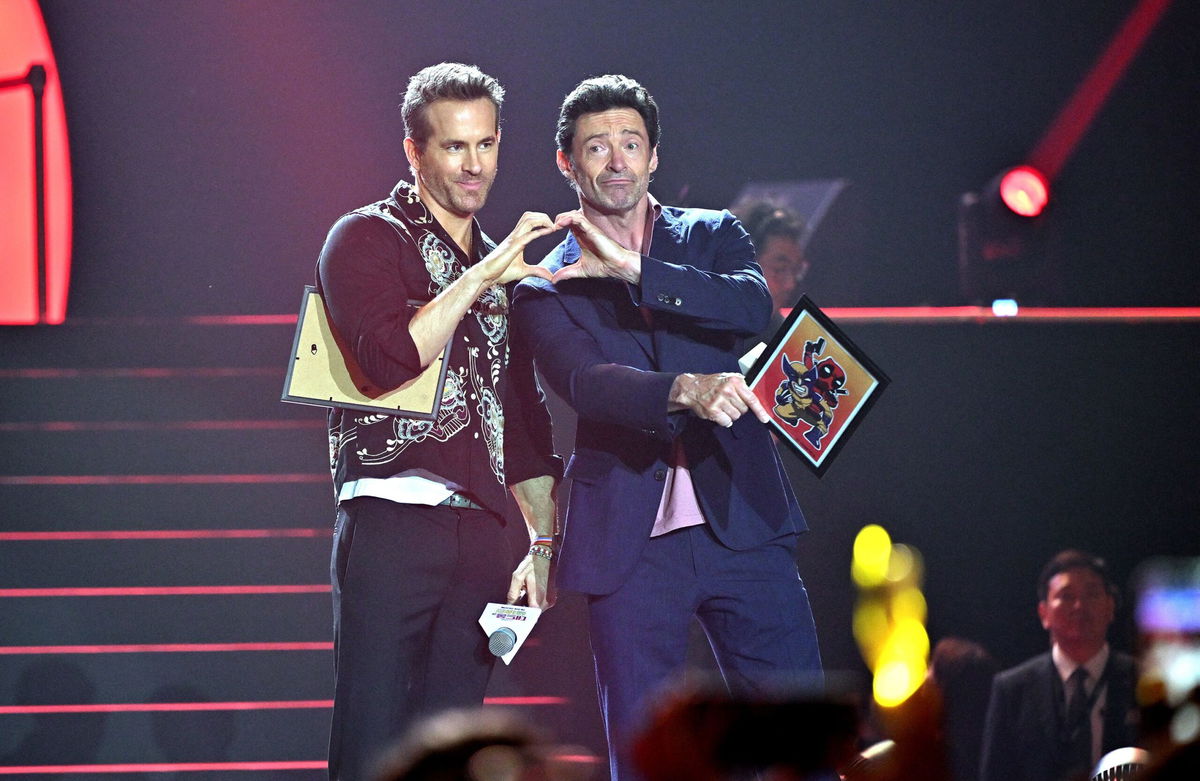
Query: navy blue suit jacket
[1020,737]
[704,294]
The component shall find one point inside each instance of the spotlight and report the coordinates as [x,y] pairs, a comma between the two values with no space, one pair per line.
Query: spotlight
[1005,249]
[1024,190]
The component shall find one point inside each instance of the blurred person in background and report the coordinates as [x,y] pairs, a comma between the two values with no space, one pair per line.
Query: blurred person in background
[962,671]
[477,744]
[1055,715]
[776,232]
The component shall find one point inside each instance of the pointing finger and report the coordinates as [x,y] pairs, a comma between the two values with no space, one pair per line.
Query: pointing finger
[755,405]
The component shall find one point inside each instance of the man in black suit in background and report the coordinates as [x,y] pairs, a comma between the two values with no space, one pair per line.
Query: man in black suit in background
[1055,715]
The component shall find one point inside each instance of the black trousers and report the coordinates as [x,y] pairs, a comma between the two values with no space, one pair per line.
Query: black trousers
[409,584]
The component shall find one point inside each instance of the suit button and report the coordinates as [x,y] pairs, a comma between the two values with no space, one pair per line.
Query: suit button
[660,475]
[678,301]
[663,298]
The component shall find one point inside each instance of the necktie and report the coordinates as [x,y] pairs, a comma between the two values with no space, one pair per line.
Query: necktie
[1078,721]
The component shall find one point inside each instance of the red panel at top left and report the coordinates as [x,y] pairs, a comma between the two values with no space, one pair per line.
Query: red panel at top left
[29,294]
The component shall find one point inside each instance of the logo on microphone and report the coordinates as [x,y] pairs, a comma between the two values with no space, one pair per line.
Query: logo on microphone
[507,626]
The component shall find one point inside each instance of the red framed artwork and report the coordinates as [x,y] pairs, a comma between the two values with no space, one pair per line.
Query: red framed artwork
[815,383]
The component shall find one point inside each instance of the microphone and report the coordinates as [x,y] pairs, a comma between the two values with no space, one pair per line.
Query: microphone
[507,626]
[502,641]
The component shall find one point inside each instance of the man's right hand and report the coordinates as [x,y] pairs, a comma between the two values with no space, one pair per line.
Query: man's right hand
[433,324]
[721,398]
[507,263]
[533,582]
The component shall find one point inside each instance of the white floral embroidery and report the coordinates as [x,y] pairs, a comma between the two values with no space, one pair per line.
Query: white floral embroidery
[453,417]
[491,417]
[440,261]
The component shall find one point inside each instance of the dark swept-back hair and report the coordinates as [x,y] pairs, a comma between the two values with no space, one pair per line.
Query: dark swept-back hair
[602,93]
[1074,559]
[763,219]
[445,81]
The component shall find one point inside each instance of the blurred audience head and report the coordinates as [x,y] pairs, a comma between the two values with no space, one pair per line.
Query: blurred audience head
[777,234]
[706,735]
[472,745]
[962,671]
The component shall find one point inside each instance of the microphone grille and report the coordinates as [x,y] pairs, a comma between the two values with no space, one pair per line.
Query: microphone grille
[502,641]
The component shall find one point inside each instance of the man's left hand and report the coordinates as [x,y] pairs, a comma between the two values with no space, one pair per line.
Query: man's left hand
[531,580]
[721,398]
[599,256]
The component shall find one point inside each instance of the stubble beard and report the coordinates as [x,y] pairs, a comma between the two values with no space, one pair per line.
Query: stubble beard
[450,198]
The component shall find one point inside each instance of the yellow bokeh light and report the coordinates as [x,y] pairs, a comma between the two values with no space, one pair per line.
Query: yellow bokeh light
[895,681]
[870,628]
[908,604]
[909,640]
[872,552]
[900,563]
[901,665]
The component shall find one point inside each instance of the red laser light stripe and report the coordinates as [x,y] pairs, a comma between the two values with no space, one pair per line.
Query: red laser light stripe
[155,373]
[525,700]
[149,707]
[163,767]
[162,534]
[161,479]
[1074,119]
[202,320]
[933,314]
[242,320]
[161,591]
[902,313]
[161,425]
[161,648]
[896,312]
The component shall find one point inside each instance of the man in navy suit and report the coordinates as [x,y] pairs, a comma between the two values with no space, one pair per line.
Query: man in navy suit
[679,507]
[1055,715]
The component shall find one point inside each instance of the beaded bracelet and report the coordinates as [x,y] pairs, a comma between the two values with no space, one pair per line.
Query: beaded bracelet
[542,551]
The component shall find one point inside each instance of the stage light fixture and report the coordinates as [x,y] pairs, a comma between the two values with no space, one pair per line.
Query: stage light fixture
[1024,190]
[1005,246]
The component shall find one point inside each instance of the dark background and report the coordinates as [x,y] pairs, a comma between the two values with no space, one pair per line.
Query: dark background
[213,143]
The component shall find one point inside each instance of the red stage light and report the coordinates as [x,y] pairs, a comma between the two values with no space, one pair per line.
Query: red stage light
[35,261]
[1024,190]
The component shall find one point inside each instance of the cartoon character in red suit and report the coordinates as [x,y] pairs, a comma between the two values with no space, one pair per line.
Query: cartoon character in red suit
[810,392]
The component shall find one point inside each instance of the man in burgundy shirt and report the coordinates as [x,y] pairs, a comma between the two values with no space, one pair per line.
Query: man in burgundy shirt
[419,546]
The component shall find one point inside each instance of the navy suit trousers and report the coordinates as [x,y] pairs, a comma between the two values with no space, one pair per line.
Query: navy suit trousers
[753,608]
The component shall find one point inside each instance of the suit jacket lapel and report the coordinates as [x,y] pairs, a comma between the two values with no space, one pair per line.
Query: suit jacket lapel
[614,304]
[1118,731]
[1055,710]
